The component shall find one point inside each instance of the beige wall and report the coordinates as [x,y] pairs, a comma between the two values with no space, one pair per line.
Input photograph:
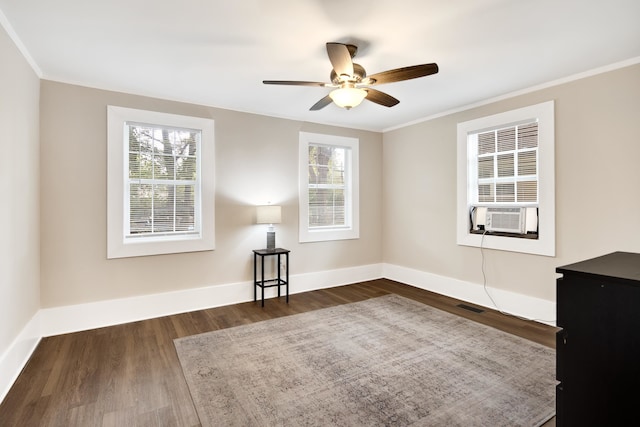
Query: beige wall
[597,186]
[256,163]
[19,211]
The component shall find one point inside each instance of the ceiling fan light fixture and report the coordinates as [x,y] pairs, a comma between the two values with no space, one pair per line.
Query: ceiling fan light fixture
[348,97]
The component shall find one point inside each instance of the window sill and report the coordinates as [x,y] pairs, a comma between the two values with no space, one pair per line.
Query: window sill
[532,236]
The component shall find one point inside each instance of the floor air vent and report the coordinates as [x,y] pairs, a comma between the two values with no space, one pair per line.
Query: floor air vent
[468,307]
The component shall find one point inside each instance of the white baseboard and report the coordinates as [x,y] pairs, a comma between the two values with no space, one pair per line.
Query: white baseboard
[73,318]
[17,355]
[537,309]
[61,320]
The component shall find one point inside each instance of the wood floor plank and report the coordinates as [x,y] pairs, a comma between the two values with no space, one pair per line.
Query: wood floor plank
[129,375]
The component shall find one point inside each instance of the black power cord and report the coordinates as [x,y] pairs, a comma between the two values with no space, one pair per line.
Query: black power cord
[486,291]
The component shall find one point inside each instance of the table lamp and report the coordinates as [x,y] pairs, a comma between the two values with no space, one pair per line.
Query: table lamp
[269,214]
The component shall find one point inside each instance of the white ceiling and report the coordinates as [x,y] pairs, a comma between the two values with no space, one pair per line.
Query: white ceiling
[217,53]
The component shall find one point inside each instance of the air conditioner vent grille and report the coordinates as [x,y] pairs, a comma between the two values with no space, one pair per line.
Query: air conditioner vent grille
[508,220]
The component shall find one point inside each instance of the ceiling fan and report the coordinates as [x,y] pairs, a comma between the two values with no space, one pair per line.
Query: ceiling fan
[351,80]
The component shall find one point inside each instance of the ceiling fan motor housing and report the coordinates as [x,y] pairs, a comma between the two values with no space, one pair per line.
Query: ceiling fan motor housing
[358,75]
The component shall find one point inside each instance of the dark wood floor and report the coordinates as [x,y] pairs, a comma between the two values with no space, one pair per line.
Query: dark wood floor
[129,375]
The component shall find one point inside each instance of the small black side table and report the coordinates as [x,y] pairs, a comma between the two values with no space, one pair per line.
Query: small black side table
[262,283]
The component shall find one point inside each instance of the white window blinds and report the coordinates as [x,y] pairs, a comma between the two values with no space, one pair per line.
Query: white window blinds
[162,183]
[507,165]
[326,186]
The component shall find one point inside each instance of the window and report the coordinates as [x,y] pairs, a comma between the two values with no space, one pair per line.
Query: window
[507,160]
[160,183]
[329,195]
[506,166]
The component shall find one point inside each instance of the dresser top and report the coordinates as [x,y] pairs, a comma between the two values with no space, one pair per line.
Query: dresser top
[624,266]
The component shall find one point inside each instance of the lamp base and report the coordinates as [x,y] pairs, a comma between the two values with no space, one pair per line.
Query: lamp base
[271,239]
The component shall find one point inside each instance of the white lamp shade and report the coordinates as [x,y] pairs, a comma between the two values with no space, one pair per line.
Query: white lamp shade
[268,214]
[348,97]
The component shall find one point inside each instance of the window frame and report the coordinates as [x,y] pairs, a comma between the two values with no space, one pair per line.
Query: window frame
[119,244]
[543,113]
[351,230]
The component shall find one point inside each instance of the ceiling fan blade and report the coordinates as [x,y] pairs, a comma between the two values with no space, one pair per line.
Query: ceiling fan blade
[381,98]
[292,83]
[340,59]
[404,73]
[321,104]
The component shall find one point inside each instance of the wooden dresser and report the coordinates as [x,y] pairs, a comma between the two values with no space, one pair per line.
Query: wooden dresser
[598,348]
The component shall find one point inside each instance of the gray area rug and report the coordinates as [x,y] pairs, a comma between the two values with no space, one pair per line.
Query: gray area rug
[387,361]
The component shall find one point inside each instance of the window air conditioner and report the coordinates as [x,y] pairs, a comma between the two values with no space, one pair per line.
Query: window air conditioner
[507,220]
